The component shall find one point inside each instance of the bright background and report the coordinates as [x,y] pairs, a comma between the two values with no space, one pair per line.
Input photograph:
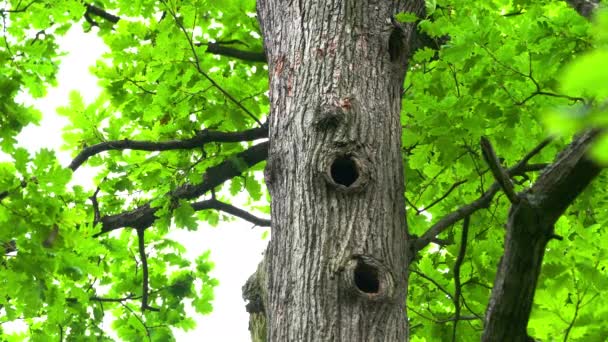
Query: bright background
[236,247]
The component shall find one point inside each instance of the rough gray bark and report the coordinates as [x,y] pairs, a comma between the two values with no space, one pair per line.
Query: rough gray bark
[584,7]
[529,229]
[336,264]
[255,294]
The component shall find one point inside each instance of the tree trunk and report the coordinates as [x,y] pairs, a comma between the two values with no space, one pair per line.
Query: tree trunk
[336,264]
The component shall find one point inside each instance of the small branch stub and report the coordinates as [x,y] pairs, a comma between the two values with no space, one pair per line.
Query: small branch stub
[368,278]
[346,172]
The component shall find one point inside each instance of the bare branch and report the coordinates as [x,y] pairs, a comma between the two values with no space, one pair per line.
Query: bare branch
[442,321]
[5,193]
[201,138]
[100,12]
[457,264]
[584,7]
[441,288]
[460,318]
[230,209]
[106,300]
[19,10]
[454,186]
[139,319]
[144,216]
[482,202]
[430,182]
[222,50]
[498,171]
[577,307]
[144,264]
[96,214]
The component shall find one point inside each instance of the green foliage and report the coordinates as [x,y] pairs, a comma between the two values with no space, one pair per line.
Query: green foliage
[63,280]
[406,17]
[506,64]
[510,70]
[586,77]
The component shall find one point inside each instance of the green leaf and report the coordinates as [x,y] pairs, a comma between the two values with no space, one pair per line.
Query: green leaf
[406,17]
[430,6]
[599,150]
[587,75]
[184,216]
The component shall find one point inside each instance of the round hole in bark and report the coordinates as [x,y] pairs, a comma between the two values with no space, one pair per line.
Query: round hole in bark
[344,171]
[366,278]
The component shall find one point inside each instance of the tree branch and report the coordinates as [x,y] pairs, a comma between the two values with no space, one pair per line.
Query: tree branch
[201,138]
[434,282]
[139,319]
[93,198]
[443,321]
[105,300]
[529,228]
[230,209]
[584,7]
[498,171]
[144,265]
[197,64]
[100,12]
[144,216]
[457,264]
[454,186]
[222,50]
[482,202]
[216,48]
[5,193]
[19,10]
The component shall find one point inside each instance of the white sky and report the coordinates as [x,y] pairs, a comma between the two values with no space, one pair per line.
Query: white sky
[236,248]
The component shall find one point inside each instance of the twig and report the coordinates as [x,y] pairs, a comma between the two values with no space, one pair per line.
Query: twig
[203,73]
[441,321]
[139,319]
[222,50]
[201,138]
[498,171]
[25,8]
[464,303]
[230,209]
[454,186]
[96,214]
[100,12]
[457,265]
[105,300]
[425,187]
[482,202]
[441,288]
[144,263]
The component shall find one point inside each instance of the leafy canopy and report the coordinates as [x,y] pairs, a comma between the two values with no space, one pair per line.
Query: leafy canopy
[175,71]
